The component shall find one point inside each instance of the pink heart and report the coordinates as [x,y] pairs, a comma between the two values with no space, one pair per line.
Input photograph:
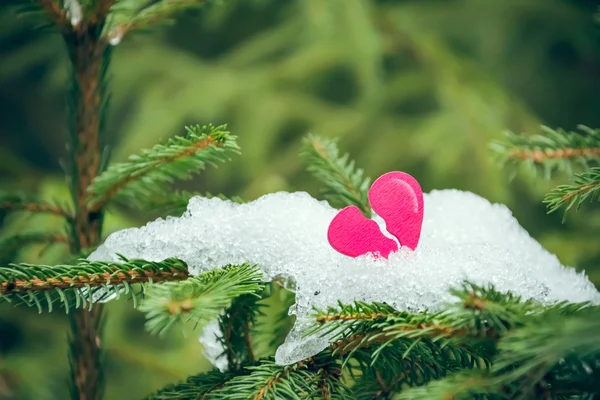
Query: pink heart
[398,199]
[352,234]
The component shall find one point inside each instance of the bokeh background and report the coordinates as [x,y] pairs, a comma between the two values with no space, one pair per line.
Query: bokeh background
[421,86]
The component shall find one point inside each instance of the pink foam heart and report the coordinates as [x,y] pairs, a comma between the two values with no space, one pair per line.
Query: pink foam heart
[352,234]
[398,199]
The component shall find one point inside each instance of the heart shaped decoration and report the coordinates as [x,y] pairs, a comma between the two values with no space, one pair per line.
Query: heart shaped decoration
[398,199]
[352,234]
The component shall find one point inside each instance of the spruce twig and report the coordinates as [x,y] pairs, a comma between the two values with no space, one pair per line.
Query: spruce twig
[35,285]
[87,103]
[42,278]
[553,149]
[12,245]
[237,324]
[344,184]
[28,203]
[199,299]
[269,381]
[585,186]
[179,158]
[196,387]
[86,355]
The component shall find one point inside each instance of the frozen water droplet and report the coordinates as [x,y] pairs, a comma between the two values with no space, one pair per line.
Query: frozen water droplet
[74,11]
[116,35]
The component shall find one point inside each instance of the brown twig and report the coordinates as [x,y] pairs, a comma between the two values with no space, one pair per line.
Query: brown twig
[91,280]
[89,61]
[538,156]
[287,370]
[349,317]
[86,355]
[98,203]
[36,208]
[353,342]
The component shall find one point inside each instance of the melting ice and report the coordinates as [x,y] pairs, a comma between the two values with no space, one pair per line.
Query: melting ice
[464,237]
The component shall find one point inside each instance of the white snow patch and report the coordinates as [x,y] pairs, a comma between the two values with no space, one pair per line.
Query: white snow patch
[213,351]
[464,237]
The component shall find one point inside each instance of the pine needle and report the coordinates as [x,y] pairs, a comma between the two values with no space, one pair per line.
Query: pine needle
[149,173]
[345,185]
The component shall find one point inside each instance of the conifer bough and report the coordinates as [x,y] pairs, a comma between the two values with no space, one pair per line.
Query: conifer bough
[37,284]
[488,345]
[146,174]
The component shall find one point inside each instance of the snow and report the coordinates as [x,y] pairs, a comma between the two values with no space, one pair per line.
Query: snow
[213,351]
[464,237]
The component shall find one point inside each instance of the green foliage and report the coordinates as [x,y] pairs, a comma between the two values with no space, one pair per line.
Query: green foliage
[195,387]
[344,183]
[559,149]
[586,186]
[540,359]
[130,15]
[407,71]
[12,245]
[83,284]
[283,322]
[508,342]
[199,299]
[554,149]
[148,173]
[22,202]
[315,378]
[238,324]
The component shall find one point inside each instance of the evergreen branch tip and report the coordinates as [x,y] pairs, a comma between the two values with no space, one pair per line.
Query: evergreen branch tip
[146,174]
[344,183]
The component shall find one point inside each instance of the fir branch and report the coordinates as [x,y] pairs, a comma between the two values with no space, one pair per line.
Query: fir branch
[475,323]
[28,203]
[553,149]
[196,387]
[344,184]
[356,311]
[585,186]
[148,173]
[12,245]
[407,364]
[311,378]
[529,354]
[237,324]
[538,360]
[39,284]
[176,203]
[200,298]
[152,13]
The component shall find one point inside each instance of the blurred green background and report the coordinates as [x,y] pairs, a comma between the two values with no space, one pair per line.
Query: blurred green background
[421,86]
